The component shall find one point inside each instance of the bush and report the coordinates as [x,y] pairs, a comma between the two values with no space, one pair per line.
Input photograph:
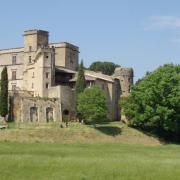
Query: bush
[91,105]
[154,103]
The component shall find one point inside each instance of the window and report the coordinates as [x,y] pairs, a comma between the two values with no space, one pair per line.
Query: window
[29,59]
[30,48]
[13,75]
[13,87]
[14,60]
[47,75]
[47,85]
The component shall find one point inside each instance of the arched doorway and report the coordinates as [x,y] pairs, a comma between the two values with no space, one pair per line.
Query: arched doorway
[33,114]
[49,114]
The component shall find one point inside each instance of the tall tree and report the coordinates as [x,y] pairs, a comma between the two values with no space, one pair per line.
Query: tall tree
[4,93]
[81,81]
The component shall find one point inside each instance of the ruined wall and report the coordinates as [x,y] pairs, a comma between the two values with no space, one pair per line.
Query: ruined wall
[30,109]
[125,76]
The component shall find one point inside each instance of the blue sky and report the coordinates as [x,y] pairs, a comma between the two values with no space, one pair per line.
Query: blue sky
[142,34]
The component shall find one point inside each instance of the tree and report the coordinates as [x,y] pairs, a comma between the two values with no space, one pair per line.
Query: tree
[105,67]
[92,105]
[4,93]
[154,103]
[81,81]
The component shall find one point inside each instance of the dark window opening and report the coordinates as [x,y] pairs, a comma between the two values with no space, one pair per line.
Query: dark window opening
[14,60]
[47,75]
[66,112]
[47,85]
[13,75]
[30,48]
[29,59]
[13,87]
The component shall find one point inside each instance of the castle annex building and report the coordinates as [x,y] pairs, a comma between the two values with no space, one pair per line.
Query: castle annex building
[42,79]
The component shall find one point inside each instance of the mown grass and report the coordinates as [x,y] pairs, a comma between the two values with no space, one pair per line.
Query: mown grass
[48,161]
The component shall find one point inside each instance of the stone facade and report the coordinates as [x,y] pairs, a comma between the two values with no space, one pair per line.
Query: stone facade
[49,70]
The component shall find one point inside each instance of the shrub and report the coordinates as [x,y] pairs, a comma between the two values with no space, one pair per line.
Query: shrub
[91,105]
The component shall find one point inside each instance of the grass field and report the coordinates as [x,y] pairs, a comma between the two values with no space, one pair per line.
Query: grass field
[43,161]
[109,151]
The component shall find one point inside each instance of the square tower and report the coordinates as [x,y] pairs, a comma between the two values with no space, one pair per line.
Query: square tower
[34,39]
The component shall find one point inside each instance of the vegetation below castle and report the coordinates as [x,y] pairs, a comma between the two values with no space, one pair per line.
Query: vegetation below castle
[154,103]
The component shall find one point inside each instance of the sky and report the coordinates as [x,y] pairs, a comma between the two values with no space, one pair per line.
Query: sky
[142,34]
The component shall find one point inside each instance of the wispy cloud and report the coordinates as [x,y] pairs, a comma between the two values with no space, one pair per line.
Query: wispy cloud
[162,22]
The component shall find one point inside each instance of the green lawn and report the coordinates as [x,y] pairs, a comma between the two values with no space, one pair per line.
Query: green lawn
[39,161]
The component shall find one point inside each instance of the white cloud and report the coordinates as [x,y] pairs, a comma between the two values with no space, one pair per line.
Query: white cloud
[163,22]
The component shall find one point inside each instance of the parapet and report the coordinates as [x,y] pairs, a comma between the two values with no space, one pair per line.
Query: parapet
[120,71]
[35,31]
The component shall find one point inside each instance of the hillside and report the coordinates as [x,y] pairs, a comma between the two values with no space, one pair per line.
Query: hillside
[114,132]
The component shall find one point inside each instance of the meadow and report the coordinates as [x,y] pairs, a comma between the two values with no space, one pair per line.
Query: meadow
[106,158]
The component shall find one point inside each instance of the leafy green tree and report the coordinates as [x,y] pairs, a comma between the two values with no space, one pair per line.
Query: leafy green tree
[4,93]
[105,67]
[81,81]
[154,103]
[92,105]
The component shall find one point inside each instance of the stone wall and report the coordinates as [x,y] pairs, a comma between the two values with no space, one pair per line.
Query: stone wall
[30,109]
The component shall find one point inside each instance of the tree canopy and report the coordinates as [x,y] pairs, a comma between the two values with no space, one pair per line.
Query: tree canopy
[154,103]
[105,67]
[4,93]
[92,105]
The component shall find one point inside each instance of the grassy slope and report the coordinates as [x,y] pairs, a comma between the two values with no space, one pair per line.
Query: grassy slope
[77,133]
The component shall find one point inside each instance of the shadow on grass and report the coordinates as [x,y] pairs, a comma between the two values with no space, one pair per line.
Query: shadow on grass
[161,139]
[109,130]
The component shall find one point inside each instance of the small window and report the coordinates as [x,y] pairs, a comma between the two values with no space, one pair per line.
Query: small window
[14,60]
[32,86]
[30,48]
[13,87]
[47,85]
[13,75]
[29,59]
[47,75]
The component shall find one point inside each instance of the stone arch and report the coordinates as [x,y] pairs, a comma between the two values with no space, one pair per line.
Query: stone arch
[33,114]
[49,114]
[66,115]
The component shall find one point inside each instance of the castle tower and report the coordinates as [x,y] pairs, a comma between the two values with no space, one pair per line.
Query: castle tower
[34,39]
[39,62]
[125,76]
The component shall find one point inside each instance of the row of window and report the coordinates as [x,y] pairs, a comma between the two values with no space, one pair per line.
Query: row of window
[14,75]
[14,60]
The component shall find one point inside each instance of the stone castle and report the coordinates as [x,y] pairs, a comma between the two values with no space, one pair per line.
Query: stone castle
[42,79]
